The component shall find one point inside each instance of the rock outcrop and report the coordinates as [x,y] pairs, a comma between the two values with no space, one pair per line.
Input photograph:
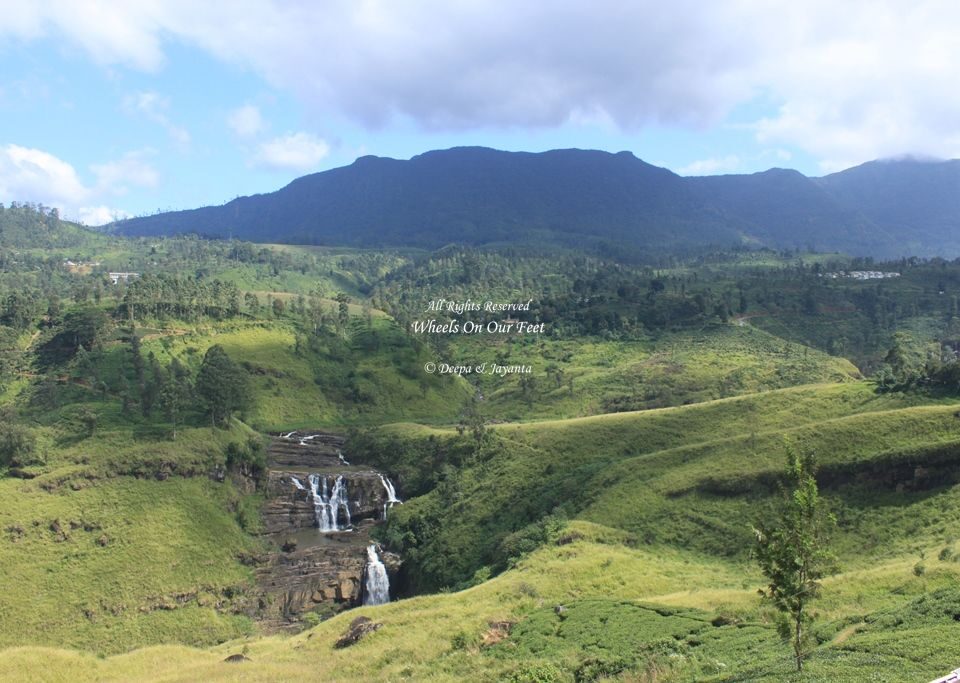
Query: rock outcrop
[359,628]
[320,574]
[310,570]
[289,507]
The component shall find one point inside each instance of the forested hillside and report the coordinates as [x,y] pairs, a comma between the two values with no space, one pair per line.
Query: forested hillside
[177,450]
[600,202]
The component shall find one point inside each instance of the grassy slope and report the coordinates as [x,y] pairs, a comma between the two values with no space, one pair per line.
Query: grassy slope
[664,478]
[610,593]
[95,560]
[140,560]
[607,376]
[669,477]
[287,394]
[687,476]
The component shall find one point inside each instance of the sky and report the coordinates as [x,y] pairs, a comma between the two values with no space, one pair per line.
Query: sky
[112,109]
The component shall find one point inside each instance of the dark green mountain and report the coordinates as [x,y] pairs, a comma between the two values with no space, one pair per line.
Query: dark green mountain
[589,199]
[916,201]
[784,208]
[469,195]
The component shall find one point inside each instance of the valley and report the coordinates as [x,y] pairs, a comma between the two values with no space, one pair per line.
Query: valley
[593,519]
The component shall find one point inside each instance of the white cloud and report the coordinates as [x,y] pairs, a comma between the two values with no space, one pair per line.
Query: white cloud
[28,174]
[849,81]
[294,151]
[712,166]
[115,177]
[246,121]
[100,215]
[33,175]
[110,34]
[153,106]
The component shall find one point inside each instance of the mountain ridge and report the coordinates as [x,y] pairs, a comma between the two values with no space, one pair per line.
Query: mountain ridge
[590,198]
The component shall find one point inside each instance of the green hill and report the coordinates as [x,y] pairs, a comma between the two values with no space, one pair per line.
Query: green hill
[591,519]
[615,204]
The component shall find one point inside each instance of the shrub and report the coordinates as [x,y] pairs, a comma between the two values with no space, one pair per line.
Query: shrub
[250,459]
[17,445]
[537,672]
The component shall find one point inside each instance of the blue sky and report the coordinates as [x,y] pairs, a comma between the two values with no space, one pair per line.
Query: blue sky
[126,108]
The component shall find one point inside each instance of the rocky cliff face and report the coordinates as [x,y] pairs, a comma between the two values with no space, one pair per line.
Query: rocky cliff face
[310,570]
[290,508]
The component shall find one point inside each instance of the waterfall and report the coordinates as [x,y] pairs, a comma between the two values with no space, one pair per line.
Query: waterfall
[338,499]
[342,459]
[376,589]
[297,483]
[321,508]
[288,435]
[391,495]
[327,504]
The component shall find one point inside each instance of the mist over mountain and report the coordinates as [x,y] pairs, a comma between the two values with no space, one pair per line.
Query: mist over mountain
[581,198]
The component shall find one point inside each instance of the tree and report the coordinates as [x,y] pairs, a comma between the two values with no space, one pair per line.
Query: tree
[89,419]
[472,421]
[905,359]
[222,385]
[252,303]
[176,394]
[17,443]
[343,310]
[791,550]
[86,328]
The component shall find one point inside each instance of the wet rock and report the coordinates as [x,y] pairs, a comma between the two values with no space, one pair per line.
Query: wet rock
[310,570]
[298,581]
[289,508]
[359,628]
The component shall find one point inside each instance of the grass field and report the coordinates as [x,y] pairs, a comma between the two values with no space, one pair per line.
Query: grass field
[688,477]
[638,523]
[122,563]
[650,614]
[579,378]
[600,528]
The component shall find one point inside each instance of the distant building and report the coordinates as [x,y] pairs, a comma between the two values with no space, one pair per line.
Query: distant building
[116,278]
[861,274]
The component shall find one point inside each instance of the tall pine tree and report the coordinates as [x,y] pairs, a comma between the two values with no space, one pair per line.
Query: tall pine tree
[222,386]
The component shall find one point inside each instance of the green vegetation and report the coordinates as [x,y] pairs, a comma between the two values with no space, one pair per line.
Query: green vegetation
[222,385]
[577,609]
[591,519]
[791,550]
[116,546]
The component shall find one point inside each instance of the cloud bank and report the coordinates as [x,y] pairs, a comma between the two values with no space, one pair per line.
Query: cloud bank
[845,82]
[48,180]
[295,152]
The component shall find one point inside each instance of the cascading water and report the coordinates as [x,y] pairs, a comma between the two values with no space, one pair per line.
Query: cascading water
[339,499]
[376,589]
[297,483]
[391,495]
[327,504]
